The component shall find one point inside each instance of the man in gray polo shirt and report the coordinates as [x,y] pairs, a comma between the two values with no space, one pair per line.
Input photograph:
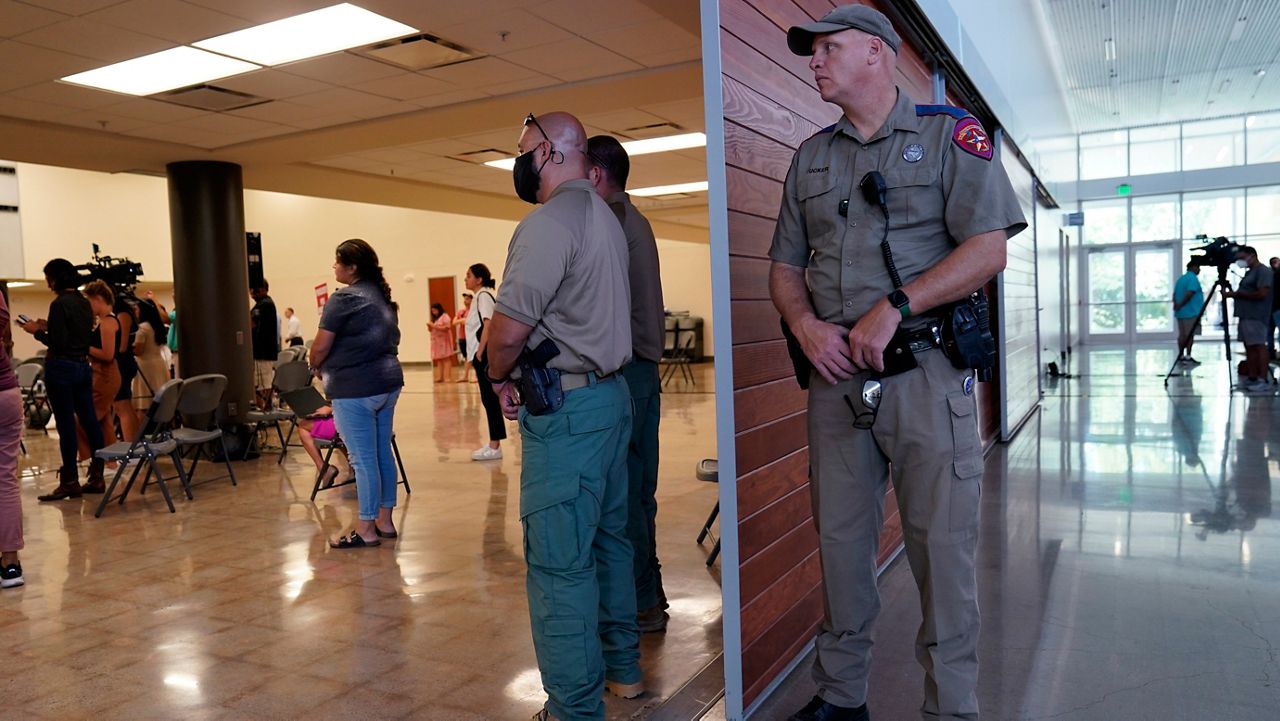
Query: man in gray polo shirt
[1253,308]
[610,168]
[566,281]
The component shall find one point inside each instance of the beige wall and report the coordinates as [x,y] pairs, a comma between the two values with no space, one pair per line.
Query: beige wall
[65,211]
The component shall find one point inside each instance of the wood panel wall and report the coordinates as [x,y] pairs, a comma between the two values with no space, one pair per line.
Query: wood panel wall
[770,106]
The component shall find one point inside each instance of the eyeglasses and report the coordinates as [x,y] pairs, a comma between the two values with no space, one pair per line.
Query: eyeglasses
[530,119]
[871,392]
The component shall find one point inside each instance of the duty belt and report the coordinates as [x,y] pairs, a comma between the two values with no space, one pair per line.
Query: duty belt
[574,381]
[922,339]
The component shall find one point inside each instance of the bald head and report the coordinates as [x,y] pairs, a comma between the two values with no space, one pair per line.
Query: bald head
[559,146]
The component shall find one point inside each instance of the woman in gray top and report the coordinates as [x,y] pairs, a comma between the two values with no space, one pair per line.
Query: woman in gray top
[355,353]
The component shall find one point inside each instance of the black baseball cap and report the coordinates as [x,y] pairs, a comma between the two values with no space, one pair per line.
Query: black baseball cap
[857,17]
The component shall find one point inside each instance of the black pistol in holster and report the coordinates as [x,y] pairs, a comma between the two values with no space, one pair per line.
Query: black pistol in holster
[539,385]
[966,335]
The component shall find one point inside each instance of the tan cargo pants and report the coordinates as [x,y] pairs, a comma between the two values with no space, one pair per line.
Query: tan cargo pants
[925,436]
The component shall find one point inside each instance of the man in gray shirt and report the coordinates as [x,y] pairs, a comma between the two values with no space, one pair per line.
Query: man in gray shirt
[610,166]
[1253,308]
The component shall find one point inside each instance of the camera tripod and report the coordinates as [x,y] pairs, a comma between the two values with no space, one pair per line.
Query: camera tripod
[1221,287]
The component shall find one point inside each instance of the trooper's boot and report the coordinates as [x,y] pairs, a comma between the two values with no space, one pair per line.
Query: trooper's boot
[68,486]
[95,482]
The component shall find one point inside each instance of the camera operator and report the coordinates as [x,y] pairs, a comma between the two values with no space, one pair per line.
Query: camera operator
[1253,308]
[1188,299]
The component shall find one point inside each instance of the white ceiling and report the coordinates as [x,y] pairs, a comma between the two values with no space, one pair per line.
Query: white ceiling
[1174,59]
[529,47]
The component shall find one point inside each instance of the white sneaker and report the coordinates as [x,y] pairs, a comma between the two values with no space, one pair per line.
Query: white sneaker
[486,453]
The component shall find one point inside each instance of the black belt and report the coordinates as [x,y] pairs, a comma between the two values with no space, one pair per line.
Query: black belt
[923,339]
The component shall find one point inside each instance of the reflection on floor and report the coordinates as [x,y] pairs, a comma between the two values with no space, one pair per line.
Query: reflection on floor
[1129,565]
[234,607]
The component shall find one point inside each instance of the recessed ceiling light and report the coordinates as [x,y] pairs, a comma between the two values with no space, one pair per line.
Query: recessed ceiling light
[1259,72]
[670,189]
[307,35]
[157,72]
[636,147]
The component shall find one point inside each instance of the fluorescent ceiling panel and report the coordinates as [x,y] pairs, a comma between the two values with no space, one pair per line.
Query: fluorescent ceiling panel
[157,72]
[635,147]
[656,190]
[319,32]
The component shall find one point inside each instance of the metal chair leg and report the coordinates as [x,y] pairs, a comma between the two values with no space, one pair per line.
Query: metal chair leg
[706,527]
[132,477]
[404,477]
[714,553]
[164,487]
[226,458]
[324,468]
[182,474]
[110,489]
[284,444]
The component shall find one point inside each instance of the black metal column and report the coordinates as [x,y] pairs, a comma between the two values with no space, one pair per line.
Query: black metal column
[211,277]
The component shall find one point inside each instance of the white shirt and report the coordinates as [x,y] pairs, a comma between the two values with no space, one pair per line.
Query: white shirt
[294,328]
[481,307]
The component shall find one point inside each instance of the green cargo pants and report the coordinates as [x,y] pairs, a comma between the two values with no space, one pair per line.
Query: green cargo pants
[642,474]
[573,507]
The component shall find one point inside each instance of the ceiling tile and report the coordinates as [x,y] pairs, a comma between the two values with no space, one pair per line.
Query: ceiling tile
[618,121]
[277,111]
[584,17]
[153,110]
[650,38]
[261,12]
[532,82]
[341,69]
[272,84]
[444,147]
[178,22]
[17,18]
[670,57]
[502,32]
[225,123]
[317,121]
[688,113]
[450,98]
[246,136]
[181,136]
[405,86]
[32,109]
[480,73]
[72,7]
[572,59]
[72,96]
[354,102]
[105,122]
[27,64]
[92,39]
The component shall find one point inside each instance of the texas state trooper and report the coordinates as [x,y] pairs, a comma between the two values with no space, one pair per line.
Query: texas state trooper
[566,282]
[610,167]
[948,212]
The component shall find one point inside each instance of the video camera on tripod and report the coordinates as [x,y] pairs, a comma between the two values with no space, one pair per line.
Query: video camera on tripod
[120,273]
[1219,252]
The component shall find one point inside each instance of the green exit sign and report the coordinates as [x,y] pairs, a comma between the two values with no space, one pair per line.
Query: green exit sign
[1123,189]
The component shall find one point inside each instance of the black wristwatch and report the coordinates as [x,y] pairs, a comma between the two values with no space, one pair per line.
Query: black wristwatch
[898,299]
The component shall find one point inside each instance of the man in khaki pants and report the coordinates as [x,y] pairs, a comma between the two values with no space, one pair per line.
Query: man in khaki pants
[945,213]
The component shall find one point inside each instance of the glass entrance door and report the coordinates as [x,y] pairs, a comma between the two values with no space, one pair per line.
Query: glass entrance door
[1128,288]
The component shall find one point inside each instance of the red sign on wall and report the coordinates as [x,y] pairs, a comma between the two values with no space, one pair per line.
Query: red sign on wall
[322,295]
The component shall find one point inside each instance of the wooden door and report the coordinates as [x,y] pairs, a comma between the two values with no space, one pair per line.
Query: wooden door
[442,291]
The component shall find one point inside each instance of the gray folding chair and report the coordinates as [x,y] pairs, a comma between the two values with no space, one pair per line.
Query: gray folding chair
[681,357]
[709,471]
[198,408]
[153,441]
[289,377]
[35,402]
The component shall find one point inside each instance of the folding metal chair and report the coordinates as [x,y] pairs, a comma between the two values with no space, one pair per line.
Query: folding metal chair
[709,471]
[198,408]
[288,376]
[35,402]
[153,441]
[681,357]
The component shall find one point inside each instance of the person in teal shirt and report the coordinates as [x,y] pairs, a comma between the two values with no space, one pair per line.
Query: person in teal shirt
[1188,300]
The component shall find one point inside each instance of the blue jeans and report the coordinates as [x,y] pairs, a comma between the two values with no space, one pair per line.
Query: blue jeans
[70,387]
[365,427]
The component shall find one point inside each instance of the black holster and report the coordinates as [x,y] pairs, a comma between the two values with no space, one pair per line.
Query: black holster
[540,389]
[967,340]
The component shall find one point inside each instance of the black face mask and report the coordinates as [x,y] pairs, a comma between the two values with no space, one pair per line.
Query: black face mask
[527,179]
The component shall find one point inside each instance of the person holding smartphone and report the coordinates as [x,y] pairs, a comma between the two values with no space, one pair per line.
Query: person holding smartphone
[68,378]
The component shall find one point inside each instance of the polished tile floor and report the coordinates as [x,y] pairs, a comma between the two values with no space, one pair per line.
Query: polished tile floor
[1129,564]
[235,608]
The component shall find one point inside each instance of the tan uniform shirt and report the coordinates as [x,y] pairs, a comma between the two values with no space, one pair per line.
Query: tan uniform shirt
[566,276]
[944,187]
[648,313]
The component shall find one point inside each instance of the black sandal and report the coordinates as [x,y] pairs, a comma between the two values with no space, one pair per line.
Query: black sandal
[330,475]
[355,540]
[385,534]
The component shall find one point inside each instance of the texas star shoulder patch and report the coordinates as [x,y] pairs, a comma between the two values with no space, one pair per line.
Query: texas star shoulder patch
[972,139]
